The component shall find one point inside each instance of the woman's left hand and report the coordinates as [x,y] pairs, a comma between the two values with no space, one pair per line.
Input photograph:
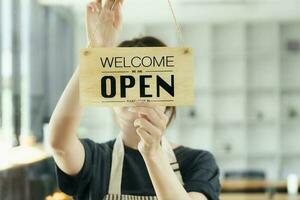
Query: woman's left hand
[103,22]
[151,125]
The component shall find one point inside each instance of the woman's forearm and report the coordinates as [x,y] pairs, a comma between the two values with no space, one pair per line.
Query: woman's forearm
[165,181]
[66,117]
[150,128]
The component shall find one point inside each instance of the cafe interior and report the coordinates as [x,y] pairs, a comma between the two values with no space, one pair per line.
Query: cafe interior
[247,89]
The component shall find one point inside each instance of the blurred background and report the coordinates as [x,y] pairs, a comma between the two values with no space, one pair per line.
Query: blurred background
[247,109]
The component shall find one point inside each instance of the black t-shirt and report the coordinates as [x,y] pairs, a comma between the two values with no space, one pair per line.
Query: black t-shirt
[198,168]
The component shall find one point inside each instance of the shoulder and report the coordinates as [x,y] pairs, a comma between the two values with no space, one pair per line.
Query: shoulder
[199,171]
[188,157]
[96,157]
[191,153]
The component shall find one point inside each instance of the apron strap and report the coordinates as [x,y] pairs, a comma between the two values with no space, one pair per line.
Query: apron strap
[118,158]
[168,150]
[116,167]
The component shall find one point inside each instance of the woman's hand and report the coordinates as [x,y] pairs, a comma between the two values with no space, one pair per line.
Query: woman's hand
[103,23]
[151,125]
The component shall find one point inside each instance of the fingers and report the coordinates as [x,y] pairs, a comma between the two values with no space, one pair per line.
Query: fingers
[144,135]
[109,4]
[147,104]
[94,7]
[117,15]
[153,131]
[120,1]
[152,115]
[117,3]
[112,4]
[159,109]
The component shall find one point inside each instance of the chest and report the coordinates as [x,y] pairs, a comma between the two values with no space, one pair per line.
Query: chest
[135,177]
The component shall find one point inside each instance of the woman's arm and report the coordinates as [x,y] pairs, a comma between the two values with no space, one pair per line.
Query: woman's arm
[150,127]
[68,152]
[102,27]
[164,180]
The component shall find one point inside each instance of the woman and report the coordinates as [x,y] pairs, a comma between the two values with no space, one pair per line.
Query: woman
[140,163]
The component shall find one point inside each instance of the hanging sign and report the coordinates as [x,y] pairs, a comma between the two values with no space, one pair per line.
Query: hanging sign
[121,76]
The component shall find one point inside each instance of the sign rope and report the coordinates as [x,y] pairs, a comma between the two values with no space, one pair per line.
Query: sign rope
[178,26]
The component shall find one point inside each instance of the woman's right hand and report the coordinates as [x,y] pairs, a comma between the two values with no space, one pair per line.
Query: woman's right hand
[103,23]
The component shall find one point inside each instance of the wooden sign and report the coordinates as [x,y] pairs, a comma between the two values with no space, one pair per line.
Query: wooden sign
[120,76]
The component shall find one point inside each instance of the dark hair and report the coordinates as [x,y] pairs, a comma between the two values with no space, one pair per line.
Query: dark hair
[149,41]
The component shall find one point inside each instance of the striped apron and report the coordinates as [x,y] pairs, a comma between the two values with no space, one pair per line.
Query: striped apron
[114,189]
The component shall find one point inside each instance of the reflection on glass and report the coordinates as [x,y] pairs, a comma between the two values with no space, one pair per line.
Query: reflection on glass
[6,139]
[25,63]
